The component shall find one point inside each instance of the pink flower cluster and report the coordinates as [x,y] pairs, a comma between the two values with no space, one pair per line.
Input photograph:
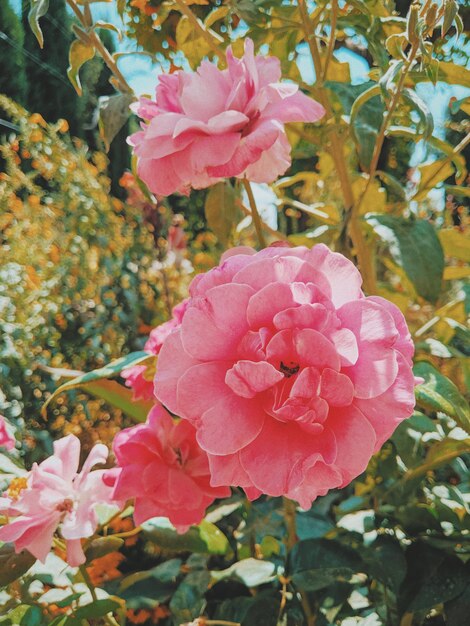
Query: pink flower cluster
[163,469]
[213,124]
[291,377]
[57,496]
[135,376]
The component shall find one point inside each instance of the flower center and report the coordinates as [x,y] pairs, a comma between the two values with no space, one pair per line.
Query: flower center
[16,487]
[66,506]
[289,369]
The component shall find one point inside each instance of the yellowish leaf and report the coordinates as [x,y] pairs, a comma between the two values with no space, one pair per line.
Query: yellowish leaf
[455,244]
[456,273]
[79,54]
[431,175]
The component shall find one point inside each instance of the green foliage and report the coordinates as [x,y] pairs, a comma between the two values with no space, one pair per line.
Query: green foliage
[392,548]
[12,77]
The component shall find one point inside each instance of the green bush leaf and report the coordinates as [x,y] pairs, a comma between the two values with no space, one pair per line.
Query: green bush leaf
[188,600]
[117,395]
[433,577]
[99,608]
[79,54]
[13,565]
[386,562]
[102,546]
[114,113]
[414,245]
[205,538]
[316,563]
[38,9]
[438,393]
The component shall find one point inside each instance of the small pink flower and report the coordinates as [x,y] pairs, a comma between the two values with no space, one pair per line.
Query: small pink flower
[7,441]
[213,124]
[161,466]
[56,496]
[135,376]
[291,377]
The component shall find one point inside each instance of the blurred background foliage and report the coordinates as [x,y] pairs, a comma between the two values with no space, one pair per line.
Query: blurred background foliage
[90,262]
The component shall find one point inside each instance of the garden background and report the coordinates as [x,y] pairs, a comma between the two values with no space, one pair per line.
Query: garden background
[91,261]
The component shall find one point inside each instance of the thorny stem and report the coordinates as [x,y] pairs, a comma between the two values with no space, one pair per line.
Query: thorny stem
[383,128]
[185,10]
[96,42]
[254,213]
[336,149]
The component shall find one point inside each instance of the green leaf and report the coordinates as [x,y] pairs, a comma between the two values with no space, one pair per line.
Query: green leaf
[114,113]
[386,561]
[23,615]
[457,610]
[455,244]
[98,608]
[422,109]
[252,572]
[13,565]
[438,393]
[316,563]
[101,546]
[414,246]
[365,122]
[205,538]
[188,600]
[38,9]
[433,577]
[117,395]
[79,54]
[431,174]
[221,210]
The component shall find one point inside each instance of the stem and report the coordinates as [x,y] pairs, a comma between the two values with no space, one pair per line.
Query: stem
[266,227]
[254,213]
[199,26]
[331,42]
[289,518]
[100,47]
[337,153]
[309,614]
[128,533]
[109,618]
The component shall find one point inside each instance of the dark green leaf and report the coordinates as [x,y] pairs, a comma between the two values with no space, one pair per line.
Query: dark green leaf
[101,546]
[386,562]
[99,608]
[414,245]
[188,600]
[433,577]
[316,563]
[13,565]
[263,612]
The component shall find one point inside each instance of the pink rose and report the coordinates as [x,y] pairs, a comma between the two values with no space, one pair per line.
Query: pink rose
[161,466]
[7,441]
[290,375]
[55,496]
[135,377]
[213,124]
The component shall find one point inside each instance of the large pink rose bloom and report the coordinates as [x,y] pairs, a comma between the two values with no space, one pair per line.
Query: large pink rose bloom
[290,375]
[212,124]
[56,496]
[162,468]
[135,376]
